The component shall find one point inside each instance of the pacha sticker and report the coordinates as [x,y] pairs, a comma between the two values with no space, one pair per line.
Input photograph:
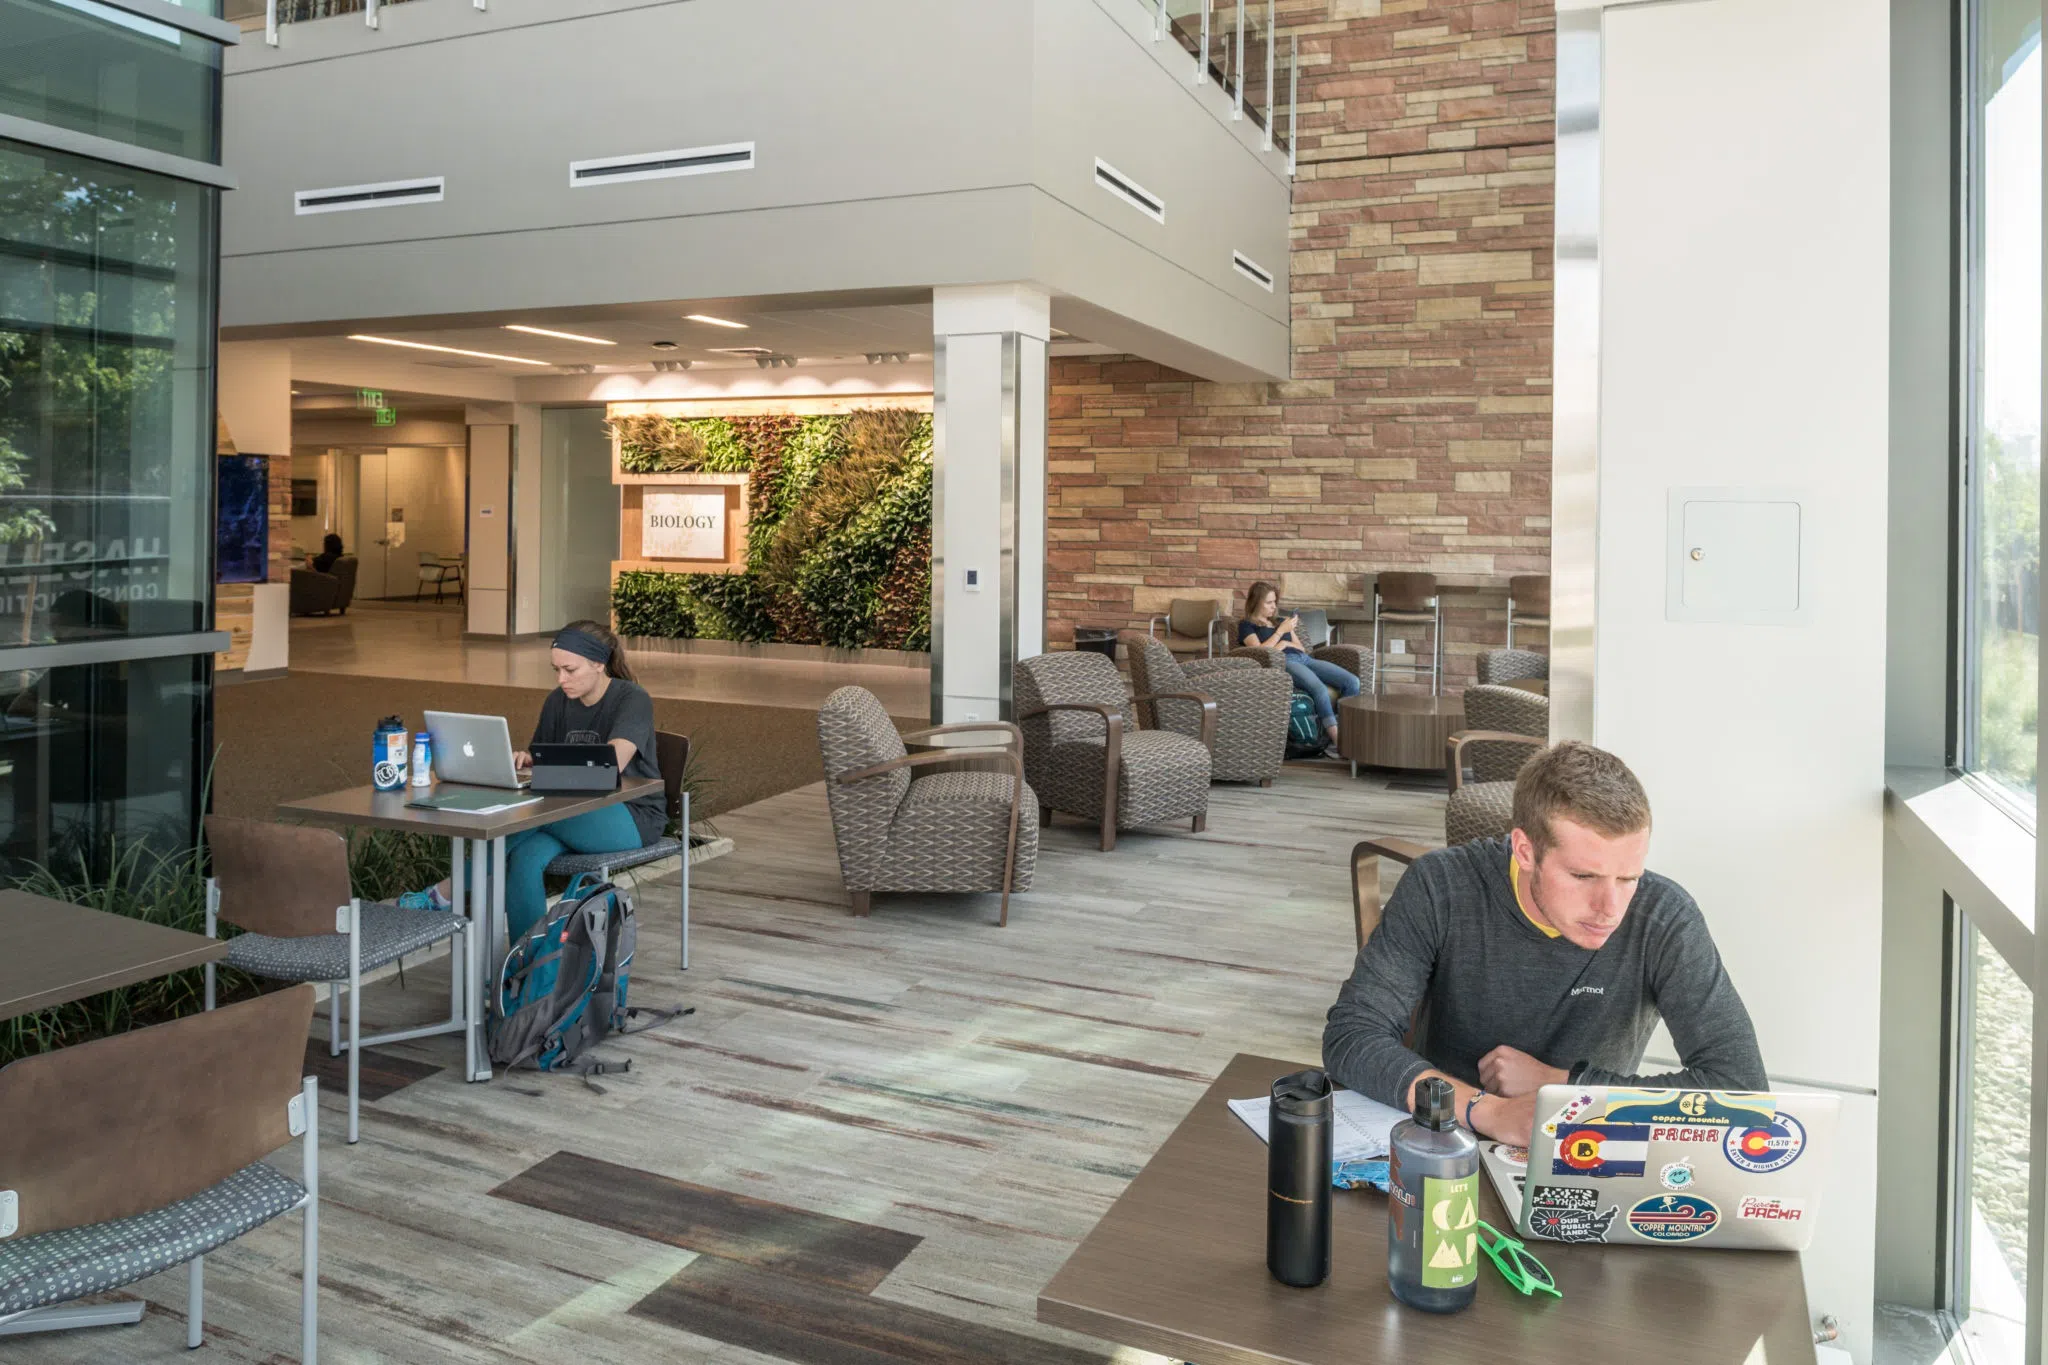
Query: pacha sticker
[1673,1218]
[1772,1210]
[1676,1175]
[1602,1150]
[1564,1213]
[1761,1148]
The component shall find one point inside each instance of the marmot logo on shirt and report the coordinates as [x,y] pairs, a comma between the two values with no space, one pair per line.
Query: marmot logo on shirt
[1589,990]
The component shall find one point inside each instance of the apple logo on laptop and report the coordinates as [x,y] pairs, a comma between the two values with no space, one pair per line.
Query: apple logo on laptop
[468,749]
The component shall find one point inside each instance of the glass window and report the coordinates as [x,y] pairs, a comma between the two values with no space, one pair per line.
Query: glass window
[101,70]
[95,756]
[1991,1218]
[106,344]
[2003,401]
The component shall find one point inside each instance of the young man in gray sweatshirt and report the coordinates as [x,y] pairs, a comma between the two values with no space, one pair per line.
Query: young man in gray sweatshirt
[1543,958]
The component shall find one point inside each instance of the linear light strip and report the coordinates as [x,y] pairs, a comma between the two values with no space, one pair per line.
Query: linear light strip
[447,350]
[565,336]
[715,322]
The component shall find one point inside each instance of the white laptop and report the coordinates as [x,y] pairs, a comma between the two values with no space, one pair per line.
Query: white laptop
[474,750]
[1669,1168]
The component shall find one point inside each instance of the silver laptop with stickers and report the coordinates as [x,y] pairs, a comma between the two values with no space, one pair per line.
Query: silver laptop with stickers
[473,750]
[1670,1168]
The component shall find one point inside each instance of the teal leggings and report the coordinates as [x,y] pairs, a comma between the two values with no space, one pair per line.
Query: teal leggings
[528,853]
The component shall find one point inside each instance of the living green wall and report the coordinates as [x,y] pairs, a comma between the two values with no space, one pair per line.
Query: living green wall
[839,536]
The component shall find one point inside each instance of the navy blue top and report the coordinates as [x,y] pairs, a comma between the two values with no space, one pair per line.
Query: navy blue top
[1250,632]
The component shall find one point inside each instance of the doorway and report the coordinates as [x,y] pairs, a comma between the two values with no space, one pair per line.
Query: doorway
[373,517]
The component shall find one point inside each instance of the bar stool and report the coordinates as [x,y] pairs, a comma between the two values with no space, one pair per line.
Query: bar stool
[1408,599]
[1528,602]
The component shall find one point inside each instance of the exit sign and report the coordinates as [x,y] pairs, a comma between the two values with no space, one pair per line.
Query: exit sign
[385,417]
[369,398]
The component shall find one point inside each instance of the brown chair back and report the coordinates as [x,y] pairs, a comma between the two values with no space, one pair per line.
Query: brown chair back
[1403,591]
[1153,670]
[1531,594]
[283,880]
[127,1124]
[1191,616]
[672,755]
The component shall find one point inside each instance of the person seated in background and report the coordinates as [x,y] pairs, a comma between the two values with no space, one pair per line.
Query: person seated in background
[330,550]
[1545,958]
[1323,682]
[595,701]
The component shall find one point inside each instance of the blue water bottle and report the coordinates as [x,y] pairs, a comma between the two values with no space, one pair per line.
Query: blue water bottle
[387,762]
[423,760]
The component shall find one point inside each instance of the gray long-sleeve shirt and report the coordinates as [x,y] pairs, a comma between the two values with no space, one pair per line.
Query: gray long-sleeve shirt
[1454,941]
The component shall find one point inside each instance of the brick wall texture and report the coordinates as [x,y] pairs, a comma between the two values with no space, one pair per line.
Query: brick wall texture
[1415,432]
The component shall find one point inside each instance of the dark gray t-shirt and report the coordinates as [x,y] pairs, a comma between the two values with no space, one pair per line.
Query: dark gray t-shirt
[625,711]
[1454,940]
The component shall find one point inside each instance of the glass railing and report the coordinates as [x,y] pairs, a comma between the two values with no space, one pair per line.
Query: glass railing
[269,14]
[1238,45]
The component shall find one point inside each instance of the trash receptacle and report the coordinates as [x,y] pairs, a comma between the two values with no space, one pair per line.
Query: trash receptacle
[1101,639]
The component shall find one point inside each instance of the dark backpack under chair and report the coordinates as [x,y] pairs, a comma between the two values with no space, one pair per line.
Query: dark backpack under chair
[563,986]
[1304,733]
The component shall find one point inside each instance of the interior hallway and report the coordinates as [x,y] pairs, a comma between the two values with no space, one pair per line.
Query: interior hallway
[425,642]
[875,1141]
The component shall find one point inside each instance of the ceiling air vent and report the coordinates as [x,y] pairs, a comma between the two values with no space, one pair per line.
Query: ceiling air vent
[1252,270]
[1130,191]
[429,190]
[610,170]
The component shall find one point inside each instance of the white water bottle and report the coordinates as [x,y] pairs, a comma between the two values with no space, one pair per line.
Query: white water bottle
[422,760]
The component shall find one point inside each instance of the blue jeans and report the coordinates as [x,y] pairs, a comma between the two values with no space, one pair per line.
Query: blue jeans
[1324,682]
[528,853]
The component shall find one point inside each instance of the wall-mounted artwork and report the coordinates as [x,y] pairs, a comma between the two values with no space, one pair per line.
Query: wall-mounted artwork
[242,519]
[812,529]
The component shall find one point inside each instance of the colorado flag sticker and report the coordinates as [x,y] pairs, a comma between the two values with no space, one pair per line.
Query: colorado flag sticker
[1601,1149]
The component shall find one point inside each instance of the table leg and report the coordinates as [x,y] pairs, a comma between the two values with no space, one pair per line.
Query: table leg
[481,954]
[500,931]
[686,881]
[461,971]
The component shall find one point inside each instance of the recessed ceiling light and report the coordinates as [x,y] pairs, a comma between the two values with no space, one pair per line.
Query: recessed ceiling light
[664,345]
[565,336]
[447,350]
[715,322]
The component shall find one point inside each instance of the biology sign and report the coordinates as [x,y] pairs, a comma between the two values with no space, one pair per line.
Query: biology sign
[683,525]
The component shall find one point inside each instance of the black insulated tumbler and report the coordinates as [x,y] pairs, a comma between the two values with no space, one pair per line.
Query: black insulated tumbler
[1298,1180]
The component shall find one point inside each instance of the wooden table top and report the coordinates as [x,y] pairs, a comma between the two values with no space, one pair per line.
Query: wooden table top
[58,952]
[366,806]
[1178,1266]
[1402,704]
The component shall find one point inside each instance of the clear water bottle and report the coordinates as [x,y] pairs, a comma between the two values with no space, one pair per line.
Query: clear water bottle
[1433,1207]
[423,759]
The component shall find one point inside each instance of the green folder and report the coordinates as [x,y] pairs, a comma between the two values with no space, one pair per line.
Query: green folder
[472,801]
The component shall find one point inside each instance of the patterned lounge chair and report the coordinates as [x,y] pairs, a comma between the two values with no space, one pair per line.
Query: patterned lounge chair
[1251,707]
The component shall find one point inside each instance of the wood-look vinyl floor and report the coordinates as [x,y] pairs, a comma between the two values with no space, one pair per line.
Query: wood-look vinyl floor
[932,1111]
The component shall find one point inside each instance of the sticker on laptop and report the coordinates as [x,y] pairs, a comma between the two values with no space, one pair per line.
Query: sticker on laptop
[1565,1213]
[1676,1175]
[1514,1156]
[1601,1150]
[1574,1107]
[1673,1218]
[1687,1108]
[1772,1210]
[1761,1148]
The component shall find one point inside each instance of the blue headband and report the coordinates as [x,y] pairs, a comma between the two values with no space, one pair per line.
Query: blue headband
[586,645]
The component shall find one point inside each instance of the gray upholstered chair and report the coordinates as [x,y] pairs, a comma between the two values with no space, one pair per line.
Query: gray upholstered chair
[1504,726]
[1189,626]
[672,754]
[1354,659]
[287,888]
[1509,725]
[1251,707]
[948,831]
[139,1152]
[1513,665]
[1083,757]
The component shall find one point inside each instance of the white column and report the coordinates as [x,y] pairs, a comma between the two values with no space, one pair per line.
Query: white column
[490,519]
[988,493]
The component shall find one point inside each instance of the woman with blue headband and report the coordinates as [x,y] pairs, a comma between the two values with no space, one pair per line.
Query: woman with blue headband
[595,701]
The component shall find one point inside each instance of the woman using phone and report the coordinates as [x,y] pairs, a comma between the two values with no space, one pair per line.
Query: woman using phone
[1322,681]
[595,701]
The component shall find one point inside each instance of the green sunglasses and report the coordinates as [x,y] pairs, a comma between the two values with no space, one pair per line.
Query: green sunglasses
[1514,1262]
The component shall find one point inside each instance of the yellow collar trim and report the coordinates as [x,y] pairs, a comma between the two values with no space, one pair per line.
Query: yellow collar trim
[1515,881]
